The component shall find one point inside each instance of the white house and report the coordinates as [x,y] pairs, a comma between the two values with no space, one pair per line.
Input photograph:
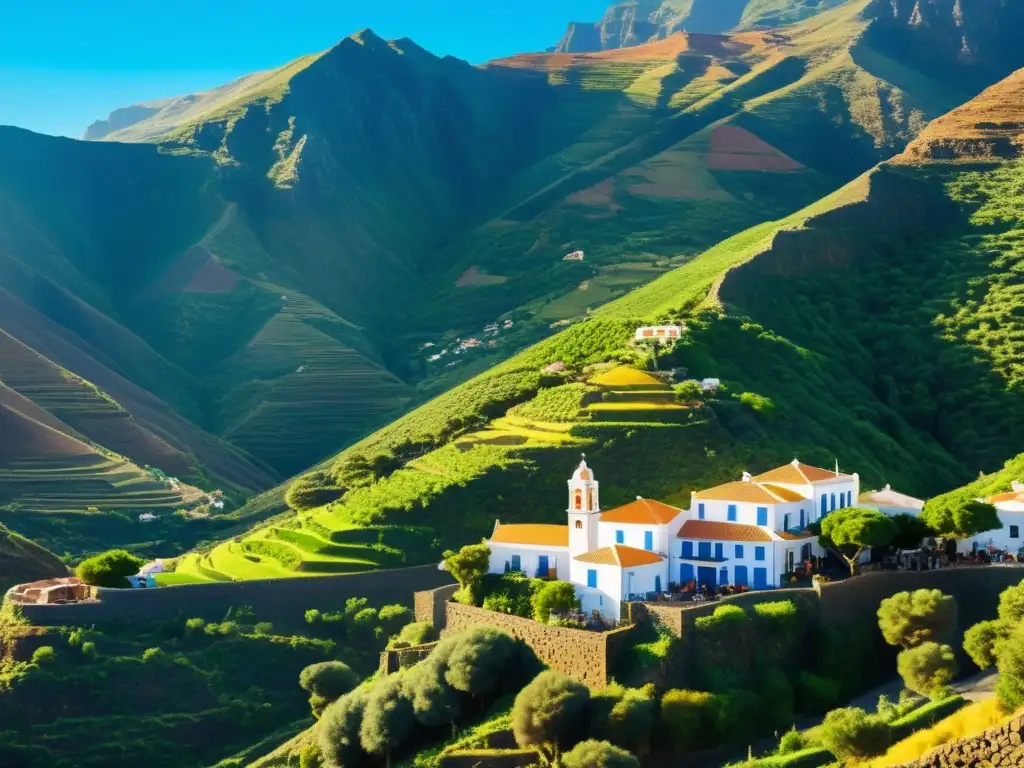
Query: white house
[891,502]
[659,333]
[1010,507]
[146,577]
[747,532]
[574,256]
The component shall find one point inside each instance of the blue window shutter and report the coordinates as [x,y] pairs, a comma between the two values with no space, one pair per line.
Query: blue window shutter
[620,537]
[592,578]
[762,515]
[732,513]
[687,549]
[648,540]
[517,563]
[723,575]
[739,551]
[824,505]
[803,519]
[704,549]
[759,553]
[832,507]
[718,551]
[700,511]
[740,576]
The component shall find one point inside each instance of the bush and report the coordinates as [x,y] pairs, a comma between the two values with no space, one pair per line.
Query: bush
[927,669]
[851,732]
[549,713]
[153,654]
[629,721]
[89,650]
[1011,670]
[415,633]
[44,655]
[909,619]
[1011,604]
[779,625]
[434,701]
[109,569]
[924,717]
[982,641]
[689,719]
[776,695]
[313,490]
[815,693]
[387,719]
[309,756]
[554,597]
[792,741]
[510,593]
[483,659]
[327,682]
[598,754]
[338,730]
[468,566]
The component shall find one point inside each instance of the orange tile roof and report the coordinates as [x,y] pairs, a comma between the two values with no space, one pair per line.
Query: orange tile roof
[620,555]
[751,492]
[711,529]
[1008,496]
[797,473]
[646,511]
[532,533]
[786,494]
[795,536]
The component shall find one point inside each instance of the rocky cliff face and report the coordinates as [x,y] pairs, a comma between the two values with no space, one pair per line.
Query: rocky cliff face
[999,746]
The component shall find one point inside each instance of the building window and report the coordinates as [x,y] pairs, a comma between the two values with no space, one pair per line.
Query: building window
[759,553]
[687,550]
[620,537]
[579,524]
[1014,532]
[592,578]
[700,511]
[824,505]
[832,506]
[739,551]
[578,500]
[719,553]
[732,513]
[803,519]
[517,563]
[785,522]
[762,515]
[648,540]
[704,550]
[849,498]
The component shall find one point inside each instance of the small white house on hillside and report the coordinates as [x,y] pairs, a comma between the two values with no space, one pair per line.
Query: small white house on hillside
[891,502]
[1010,507]
[659,333]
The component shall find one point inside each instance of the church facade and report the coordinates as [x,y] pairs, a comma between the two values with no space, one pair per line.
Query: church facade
[750,532]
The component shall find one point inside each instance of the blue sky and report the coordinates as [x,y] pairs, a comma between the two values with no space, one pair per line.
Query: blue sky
[65,63]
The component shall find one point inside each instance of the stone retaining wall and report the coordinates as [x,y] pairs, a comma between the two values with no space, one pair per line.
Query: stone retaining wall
[1000,747]
[585,655]
[281,601]
[428,605]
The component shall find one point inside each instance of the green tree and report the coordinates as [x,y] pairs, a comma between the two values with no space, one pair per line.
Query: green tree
[851,732]
[313,490]
[338,729]
[961,519]
[688,719]
[109,569]
[630,721]
[911,530]
[688,391]
[326,682]
[1011,604]
[44,654]
[549,714]
[468,566]
[1011,670]
[927,669]
[776,694]
[909,619]
[388,719]
[392,618]
[554,597]
[481,660]
[852,530]
[434,701]
[982,641]
[598,754]
[792,741]
[414,633]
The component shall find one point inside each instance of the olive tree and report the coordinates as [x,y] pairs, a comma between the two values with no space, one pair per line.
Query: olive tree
[554,597]
[338,730]
[851,530]
[326,682]
[983,640]
[434,701]
[961,519]
[109,569]
[388,718]
[909,619]
[549,714]
[851,732]
[468,566]
[927,669]
[598,754]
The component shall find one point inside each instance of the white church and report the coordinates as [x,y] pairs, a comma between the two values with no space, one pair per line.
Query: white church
[748,532]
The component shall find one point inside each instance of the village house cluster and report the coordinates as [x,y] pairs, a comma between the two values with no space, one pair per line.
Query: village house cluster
[461,346]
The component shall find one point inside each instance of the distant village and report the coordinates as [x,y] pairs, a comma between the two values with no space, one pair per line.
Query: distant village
[488,339]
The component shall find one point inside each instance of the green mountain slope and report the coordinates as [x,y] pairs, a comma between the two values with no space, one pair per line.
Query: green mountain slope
[22,561]
[880,327]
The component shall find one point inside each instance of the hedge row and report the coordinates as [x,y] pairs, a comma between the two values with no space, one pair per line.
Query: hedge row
[925,717]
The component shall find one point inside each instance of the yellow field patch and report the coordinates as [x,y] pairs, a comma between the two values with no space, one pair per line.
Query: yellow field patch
[624,376]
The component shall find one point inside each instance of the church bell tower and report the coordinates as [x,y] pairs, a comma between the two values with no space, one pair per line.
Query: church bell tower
[584,510]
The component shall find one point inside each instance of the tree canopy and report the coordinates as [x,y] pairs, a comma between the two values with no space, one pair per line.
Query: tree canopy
[549,713]
[468,566]
[313,490]
[911,530]
[327,682]
[482,658]
[852,530]
[388,717]
[909,619]
[598,754]
[554,597]
[961,519]
[109,569]
[849,732]
[927,669]
[338,730]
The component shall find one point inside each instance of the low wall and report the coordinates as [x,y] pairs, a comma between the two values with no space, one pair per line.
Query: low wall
[512,758]
[280,601]
[679,617]
[429,605]
[1000,746]
[585,655]
[394,659]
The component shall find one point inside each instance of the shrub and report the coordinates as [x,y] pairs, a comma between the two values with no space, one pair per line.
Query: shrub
[792,741]
[338,730]
[482,659]
[468,566]
[778,626]
[414,633]
[309,756]
[1011,604]
[153,654]
[313,490]
[909,619]
[109,569]
[982,641]
[554,597]
[327,682]
[688,718]
[89,650]
[1011,670]
[511,593]
[392,618]
[44,655]
[927,669]
[434,701]
[598,754]
[815,693]
[850,732]
[387,719]
[630,721]
[549,713]
[776,695]
[924,717]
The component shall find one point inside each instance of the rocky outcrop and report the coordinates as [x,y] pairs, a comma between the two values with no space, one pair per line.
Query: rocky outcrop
[1000,747]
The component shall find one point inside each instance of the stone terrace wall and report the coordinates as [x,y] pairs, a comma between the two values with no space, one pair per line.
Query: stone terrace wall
[679,617]
[429,605]
[281,601]
[1000,747]
[578,653]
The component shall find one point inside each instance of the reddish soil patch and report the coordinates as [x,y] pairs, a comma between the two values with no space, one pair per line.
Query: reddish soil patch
[736,149]
[212,277]
[473,277]
[601,194]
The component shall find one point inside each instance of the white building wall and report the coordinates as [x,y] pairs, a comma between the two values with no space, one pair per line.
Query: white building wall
[1001,538]
[605,598]
[633,535]
[746,513]
[529,557]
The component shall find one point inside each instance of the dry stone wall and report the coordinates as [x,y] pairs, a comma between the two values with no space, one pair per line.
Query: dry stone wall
[578,653]
[999,747]
[429,605]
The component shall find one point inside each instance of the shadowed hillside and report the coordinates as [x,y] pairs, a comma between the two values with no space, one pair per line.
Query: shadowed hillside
[22,561]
